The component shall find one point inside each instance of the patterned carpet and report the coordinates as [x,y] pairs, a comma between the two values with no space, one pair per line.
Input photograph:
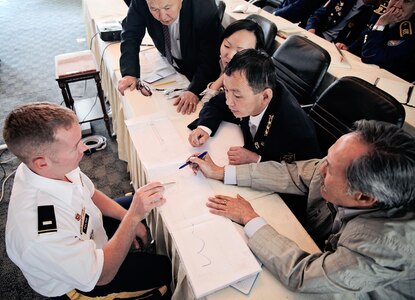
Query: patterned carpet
[33,32]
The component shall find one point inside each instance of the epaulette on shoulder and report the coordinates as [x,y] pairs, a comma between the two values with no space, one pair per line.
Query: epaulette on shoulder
[46,220]
[405,28]
[382,8]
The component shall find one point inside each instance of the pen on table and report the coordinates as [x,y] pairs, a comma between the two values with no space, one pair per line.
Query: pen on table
[164,83]
[168,183]
[281,35]
[410,91]
[168,91]
[201,155]
[340,52]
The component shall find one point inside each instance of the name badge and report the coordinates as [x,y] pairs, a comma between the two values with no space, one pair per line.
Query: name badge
[83,227]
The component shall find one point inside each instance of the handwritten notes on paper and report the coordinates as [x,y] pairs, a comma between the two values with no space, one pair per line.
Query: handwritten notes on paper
[158,144]
[211,250]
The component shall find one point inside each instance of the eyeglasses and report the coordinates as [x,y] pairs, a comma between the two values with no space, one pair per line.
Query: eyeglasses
[144,89]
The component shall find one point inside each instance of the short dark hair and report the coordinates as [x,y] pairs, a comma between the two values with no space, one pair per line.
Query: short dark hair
[30,129]
[387,171]
[257,66]
[249,25]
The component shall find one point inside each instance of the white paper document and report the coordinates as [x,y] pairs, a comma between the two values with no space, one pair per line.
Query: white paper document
[214,255]
[212,251]
[158,144]
[245,285]
[158,74]
[181,210]
[228,135]
[340,62]
[400,90]
[154,66]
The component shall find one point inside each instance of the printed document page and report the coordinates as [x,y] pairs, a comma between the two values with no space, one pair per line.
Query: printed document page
[397,89]
[212,251]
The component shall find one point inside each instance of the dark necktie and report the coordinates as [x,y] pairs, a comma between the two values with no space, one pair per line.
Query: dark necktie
[167,44]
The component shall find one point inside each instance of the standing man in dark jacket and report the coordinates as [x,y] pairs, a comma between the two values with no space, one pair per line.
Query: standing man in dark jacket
[193,48]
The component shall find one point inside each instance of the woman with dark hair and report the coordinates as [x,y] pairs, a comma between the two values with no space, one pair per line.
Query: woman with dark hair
[240,35]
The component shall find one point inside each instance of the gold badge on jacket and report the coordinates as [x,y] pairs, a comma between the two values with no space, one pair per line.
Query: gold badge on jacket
[338,8]
[382,8]
[405,28]
[269,123]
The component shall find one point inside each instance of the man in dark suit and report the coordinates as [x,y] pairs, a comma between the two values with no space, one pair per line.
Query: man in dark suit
[298,10]
[194,29]
[273,124]
[341,20]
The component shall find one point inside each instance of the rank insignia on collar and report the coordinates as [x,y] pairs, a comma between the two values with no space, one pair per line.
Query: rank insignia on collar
[338,8]
[269,123]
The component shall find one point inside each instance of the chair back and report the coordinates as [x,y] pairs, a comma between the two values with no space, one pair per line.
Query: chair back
[347,100]
[301,66]
[270,31]
[269,4]
[221,9]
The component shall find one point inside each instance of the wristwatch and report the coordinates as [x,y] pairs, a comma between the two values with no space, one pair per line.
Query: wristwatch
[378,27]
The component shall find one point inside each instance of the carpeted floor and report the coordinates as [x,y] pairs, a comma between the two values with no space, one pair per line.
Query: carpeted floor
[33,32]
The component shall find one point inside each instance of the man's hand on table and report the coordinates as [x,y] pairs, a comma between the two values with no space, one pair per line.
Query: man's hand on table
[127,82]
[237,209]
[186,103]
[206,166]
[198,137]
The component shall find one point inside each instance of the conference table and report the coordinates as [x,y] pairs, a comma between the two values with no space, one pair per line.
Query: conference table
[133,107]
[138,108]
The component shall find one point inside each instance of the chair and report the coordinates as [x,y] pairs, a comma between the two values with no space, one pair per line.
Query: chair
[347,100]
[268,5]
[270,31]
[301,66]
[221,10]
[80,66]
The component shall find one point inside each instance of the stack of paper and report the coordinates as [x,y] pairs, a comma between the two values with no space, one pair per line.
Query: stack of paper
[400,90]
[212,251]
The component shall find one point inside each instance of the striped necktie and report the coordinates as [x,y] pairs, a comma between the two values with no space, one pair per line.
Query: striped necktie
[167,43]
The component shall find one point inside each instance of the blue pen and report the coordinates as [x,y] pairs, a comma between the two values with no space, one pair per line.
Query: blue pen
[201,155]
